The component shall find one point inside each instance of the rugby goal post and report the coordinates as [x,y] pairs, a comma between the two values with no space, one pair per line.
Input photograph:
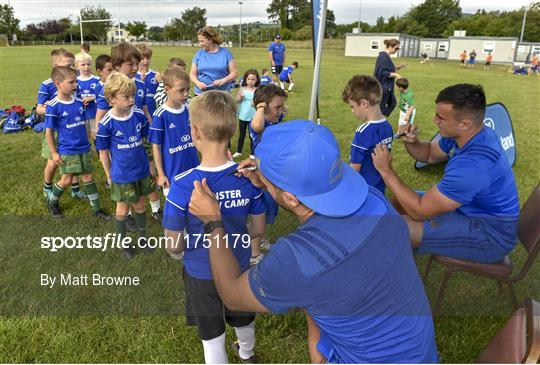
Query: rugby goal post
[81,21]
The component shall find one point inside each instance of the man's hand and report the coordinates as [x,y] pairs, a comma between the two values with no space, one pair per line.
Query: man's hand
[382,159]
[57,159]
[253,176]
[409,131]
[163,181]
[203,203]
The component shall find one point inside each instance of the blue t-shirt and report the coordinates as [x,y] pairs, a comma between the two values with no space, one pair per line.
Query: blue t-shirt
[246,110]
[367,136]
[151,86]
[89,87]
[124,138]
[479,177]
[256,137]
[140,96]
[265,80]
[47,91]
[285,73]
[67,117]
[237,198]
[212,67]
[357,278]
[170,129]
[278,52]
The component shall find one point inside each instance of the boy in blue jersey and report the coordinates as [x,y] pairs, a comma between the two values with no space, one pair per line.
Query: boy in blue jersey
[213,123]
[472,212]
[363,94]
[88,90]
[125,59]
[47,91]
[170,132]
[348,266]
[103,69]
[148,76]
[286,76]
[120,141]
[277,55]
[65,114]
[265,78]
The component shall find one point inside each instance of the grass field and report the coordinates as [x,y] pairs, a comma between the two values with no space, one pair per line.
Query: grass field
[145,324]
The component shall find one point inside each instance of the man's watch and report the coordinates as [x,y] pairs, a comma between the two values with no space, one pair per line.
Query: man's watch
[211,225]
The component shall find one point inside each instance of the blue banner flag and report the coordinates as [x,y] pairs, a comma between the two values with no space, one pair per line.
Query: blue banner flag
[498,119]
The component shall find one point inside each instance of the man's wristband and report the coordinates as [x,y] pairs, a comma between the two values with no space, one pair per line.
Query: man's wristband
[211,225]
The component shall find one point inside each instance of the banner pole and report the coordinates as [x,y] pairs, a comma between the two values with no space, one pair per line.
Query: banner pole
[318,55]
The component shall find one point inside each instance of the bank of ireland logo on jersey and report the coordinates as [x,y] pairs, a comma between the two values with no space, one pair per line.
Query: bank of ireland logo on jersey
[132,138]
[140,93]
[185,138]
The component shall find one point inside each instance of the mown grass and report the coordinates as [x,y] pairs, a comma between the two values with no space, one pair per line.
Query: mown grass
[145,323]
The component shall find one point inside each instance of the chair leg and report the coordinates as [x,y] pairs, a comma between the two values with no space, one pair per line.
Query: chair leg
[512,295]
[428,269]
[442,289]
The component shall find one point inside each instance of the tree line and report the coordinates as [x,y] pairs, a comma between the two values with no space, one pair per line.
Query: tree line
[292,19]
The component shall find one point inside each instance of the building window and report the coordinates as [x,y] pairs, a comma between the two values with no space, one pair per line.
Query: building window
[442,47]
[375,44]
[489,46]
[116,32]
[121,32]
[522,49]
[428,47]
[535,50]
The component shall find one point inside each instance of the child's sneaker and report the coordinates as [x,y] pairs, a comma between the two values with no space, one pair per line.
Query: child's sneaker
[55,210]
[254,260]
[157,216]
[79,195]
[131,226]
[236,155]
[235,347]
[104,216]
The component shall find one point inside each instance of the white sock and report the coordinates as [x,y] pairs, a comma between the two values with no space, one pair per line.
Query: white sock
[214,350]
[282,85]
[129,212]
[291,85]
[246,340]
[155,206]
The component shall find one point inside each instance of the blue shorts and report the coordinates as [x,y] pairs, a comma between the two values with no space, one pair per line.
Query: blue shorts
[471,238]
[471,61]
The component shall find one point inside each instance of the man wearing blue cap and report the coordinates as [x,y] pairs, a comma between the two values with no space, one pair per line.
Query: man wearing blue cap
[349,265]
[276,54]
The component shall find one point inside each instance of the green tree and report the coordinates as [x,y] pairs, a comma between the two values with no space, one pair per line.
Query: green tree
[431,18]
[192,20]
[97,30]
[8,23]
[156,33]
[136,29]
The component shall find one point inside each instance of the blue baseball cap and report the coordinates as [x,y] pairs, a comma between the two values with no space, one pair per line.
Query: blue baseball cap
[304,159]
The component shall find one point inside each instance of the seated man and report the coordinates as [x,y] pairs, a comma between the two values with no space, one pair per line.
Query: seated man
[472,212]
[348,265]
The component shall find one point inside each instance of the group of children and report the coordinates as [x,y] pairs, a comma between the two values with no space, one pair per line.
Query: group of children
[472,59]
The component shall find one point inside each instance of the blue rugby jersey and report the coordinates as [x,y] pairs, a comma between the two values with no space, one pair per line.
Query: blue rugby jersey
[67,118]
[171,130]
[89,87]
[237,197]
[47,91]
[151,87]
[124,137]
[284,74]
[265,80]
[366,137]
[256,137]
[140,96]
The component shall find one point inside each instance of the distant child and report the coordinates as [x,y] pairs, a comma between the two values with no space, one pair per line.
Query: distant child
[534,64]
[363,94]
[266,78]
[487,65]
[85,48]
[463,58]
[161,96]
[472,58]
[125,59]
[406,101]
[246,110]
[286,76]
[120,141]
[213,123]
[65,114]
[148,76]
[47,92]
[103,69]
[88,90]
[170,134]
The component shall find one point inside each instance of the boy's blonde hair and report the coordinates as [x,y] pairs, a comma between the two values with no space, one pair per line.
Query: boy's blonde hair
[118,83]
[82,56]
[363,87]
[144,50]
[60,73]
[214,113]
[172,74]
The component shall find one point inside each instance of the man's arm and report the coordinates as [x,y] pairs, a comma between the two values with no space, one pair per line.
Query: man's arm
[271,58]
[356,166]
[428,152]
[232,285]
[431,204]
[314,335]
[174,241]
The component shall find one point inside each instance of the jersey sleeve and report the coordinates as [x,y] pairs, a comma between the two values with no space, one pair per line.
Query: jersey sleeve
[463,179]
[157,130]
[176,209]
[277,281]
[103,136]
[145,127]
[51,116]
[257,206]
[360,146]
[101,101]
[271,47]
[43,94]
[446,144]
